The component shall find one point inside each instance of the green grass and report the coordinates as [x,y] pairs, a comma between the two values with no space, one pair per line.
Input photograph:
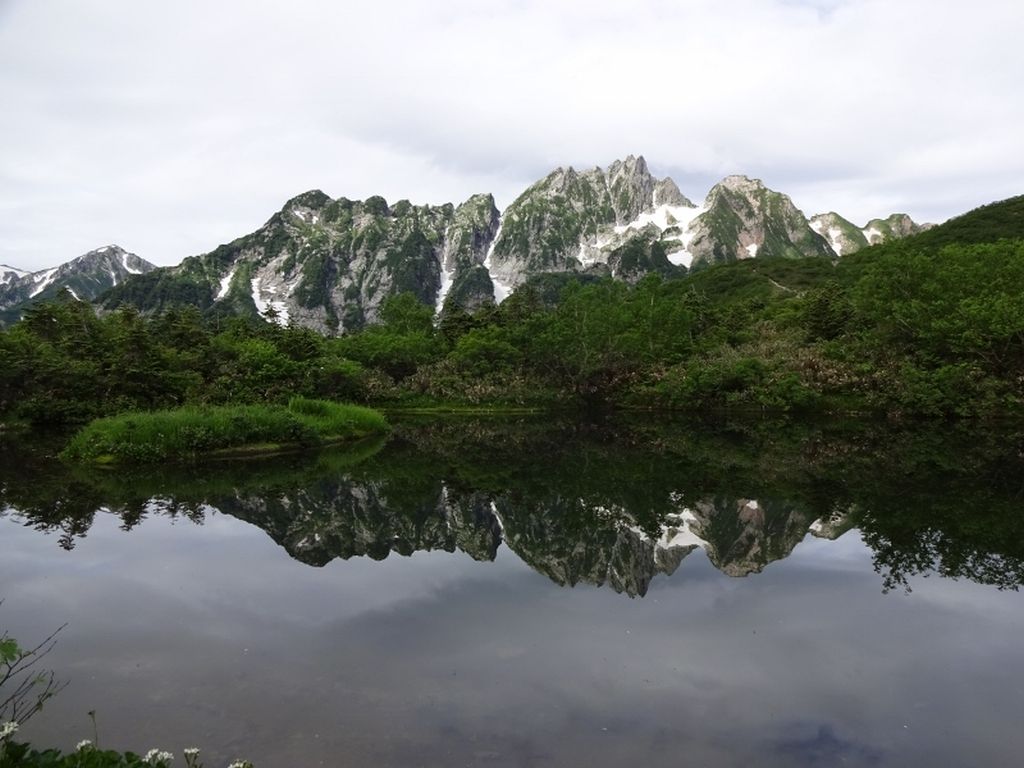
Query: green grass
[193,431]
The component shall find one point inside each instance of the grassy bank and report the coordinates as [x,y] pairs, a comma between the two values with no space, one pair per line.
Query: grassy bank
[194,431]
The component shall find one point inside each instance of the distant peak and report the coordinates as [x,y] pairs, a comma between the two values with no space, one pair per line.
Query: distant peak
[633,164]
[739,181]
[313,198]
[666,192]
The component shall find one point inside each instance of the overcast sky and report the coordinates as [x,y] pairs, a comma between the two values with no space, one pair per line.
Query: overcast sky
[170,127]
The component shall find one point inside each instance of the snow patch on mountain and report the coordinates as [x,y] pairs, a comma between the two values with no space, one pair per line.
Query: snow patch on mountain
[667,218]
[266,298]
[447,276]
[502,290]
[663,217]
[225,283]
[127,267]
[835,240]
[676,532]
[45,278]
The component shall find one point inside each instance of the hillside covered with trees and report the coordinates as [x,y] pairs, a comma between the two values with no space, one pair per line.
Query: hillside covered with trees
[930,325]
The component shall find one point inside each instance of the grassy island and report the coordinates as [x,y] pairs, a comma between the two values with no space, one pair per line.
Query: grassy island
[201,431]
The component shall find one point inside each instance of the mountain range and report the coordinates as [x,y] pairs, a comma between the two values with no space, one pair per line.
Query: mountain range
[330,264]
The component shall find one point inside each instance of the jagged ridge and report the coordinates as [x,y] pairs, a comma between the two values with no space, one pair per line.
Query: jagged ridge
[330,264]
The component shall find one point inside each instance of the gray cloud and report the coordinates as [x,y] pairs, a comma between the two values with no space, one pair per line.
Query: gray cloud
[172,127]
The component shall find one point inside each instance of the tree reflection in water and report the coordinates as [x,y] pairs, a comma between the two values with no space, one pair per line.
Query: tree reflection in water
[611,504]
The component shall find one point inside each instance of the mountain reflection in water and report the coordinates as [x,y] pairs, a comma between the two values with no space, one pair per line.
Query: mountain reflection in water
[610,505]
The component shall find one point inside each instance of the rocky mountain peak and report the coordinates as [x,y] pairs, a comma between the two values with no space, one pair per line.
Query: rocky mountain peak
[313,199]
[558,182]
[97,255]
[667,193]
[85,277]
[632,167]
[740,183]
[631,187]
[744,219]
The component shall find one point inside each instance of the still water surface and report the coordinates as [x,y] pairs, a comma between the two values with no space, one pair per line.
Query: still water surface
[483,594]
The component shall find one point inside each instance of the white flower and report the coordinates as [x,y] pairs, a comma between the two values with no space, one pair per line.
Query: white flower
[240,764]
[83,744]
[8,729]
[158,757]
[191,752]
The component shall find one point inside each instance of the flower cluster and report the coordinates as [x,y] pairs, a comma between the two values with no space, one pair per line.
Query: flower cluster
[7,730]
[83,745]
[158,757]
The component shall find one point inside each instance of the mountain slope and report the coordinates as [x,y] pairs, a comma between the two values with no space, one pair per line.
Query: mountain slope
[744,219]
[843,236]
[1003,219]
[86,277]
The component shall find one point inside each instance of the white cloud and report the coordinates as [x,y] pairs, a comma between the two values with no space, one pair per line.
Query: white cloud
[170,128]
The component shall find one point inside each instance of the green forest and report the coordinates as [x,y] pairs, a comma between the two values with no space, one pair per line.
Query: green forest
[927,326]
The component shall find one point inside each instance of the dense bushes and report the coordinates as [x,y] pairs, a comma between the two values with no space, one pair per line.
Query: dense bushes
[199,430]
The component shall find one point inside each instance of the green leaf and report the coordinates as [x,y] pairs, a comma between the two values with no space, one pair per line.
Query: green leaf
[9,650]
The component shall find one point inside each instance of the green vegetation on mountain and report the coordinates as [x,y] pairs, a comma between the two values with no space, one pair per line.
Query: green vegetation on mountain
[740,206]
[995,221]
[927,325]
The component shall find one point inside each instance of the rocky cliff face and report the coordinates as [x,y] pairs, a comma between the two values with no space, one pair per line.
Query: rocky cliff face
[465,280]
[330,264]
[571,220]
[743,219]
[85,277]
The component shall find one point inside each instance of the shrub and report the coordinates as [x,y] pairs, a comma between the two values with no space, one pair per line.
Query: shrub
[192,431]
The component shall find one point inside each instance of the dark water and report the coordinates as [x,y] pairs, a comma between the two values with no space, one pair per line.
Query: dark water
[476,593]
